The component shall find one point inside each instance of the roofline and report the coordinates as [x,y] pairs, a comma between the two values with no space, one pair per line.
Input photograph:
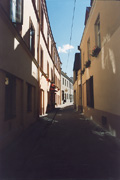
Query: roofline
[49,26]
[91,10]
[65,75]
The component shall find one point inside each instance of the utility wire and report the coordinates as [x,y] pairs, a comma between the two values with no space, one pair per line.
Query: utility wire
[71,33]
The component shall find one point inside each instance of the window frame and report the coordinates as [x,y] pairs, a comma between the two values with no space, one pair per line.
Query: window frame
[13,9]
[41,58]
[63,80]
[97,32]
[48,69]
[88,49]
[42,18]
[31,38]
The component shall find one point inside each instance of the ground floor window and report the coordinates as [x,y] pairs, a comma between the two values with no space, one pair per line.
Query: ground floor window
[90,93]
[10,96]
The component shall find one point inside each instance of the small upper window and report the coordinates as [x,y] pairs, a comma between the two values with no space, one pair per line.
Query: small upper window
[41,59]
[16,11]
[48,69]
[32,39]
[48,38]
[88,48]
[97,32]
[42,19]
[63,81]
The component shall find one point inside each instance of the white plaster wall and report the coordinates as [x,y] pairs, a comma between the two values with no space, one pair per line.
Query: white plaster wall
[45,85]
[64,88]
[28,12]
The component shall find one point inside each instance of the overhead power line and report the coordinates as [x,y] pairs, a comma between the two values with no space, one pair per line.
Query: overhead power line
[71,32]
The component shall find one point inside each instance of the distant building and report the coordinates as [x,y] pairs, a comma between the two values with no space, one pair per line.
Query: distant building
[66,88]
[100,64]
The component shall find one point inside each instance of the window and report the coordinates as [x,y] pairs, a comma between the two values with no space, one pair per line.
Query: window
[90,94]
[10,96]
[88,48]
[51,50]
[55,58]
[67,83]
[67,96]
[97,32]
[42,19]
[83,59]
[41,59]
[48,38]
[32,39]
[63,80]
[38,6]
[48,69]
[29,98]
[16,11]
[51,74]
[55,80]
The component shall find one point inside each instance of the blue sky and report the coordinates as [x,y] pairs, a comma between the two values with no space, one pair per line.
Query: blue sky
[60,15]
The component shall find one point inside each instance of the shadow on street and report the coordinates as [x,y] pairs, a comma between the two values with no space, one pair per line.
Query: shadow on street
[62,145]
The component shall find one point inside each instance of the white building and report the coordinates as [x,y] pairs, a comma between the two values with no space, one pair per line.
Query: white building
[50,71]
[66,88]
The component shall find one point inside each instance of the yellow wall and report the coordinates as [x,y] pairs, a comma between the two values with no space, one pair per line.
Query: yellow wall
[105,68]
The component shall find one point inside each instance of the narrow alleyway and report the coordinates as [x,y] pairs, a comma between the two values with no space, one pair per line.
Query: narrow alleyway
[69,147]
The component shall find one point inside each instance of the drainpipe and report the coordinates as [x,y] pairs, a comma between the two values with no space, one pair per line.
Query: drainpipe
[81,81]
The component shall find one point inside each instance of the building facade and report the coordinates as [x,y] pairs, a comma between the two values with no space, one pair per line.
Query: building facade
[77,78]
[50,71]
[100,64]
[66,89]
[29,66]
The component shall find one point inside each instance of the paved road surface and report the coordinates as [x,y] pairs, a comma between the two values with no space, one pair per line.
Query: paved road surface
[69,147]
